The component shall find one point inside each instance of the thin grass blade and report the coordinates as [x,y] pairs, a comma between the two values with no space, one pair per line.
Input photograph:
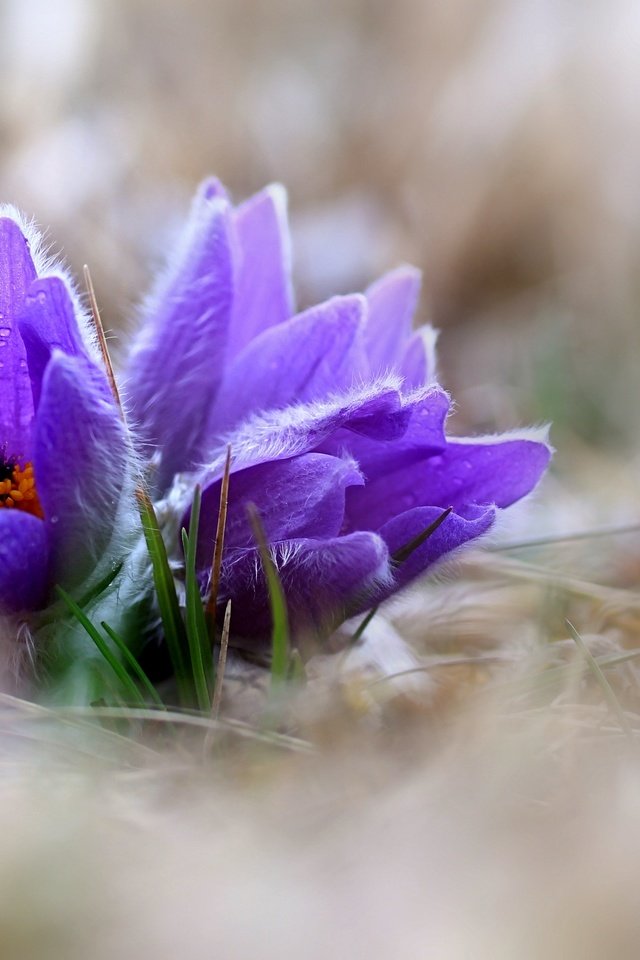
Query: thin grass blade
[173,626]
[117,667]
[196,624]
[216,565]
[277,603]
[133,664]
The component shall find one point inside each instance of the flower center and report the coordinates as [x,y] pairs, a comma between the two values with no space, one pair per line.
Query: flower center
[18,487]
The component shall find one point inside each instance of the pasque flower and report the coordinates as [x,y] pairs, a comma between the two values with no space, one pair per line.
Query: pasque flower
[334,417]
[63,459]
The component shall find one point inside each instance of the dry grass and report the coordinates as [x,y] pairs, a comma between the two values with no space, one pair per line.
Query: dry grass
[484,805]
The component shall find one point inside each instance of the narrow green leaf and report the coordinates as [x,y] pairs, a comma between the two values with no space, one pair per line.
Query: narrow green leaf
[94,592]
[277,602]
[104,648]
[197,633]
[134,664]
[172,624]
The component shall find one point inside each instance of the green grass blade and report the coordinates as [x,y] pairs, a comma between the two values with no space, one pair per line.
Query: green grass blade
[173,626]
[280,634]
[133,664]
[117,667]
[94,592]
[197,633]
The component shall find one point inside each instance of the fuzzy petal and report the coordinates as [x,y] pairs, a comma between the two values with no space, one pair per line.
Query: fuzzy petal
[310,357]
[454,532]
[487,470]
[323,581]
[178,364]
[418,360]
[423,436]
[48,322]
[48,309]
[17,273]
[80,461]
[497,473]
[392,302]
[24,561]
[372,410]
[296,498]
[264,295]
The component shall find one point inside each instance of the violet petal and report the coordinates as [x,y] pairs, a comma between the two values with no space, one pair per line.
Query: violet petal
[264,295]
[178,364]
[24,561]
[497,473]
[47,321]
[17,272]
[423,436]
[392,302]
[303,497]
[80,464]
[322,580]
[312,356]
[456,530]
[371,410]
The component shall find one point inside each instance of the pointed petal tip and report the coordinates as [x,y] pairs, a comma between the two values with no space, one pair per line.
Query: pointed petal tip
[405,276]
[212,188]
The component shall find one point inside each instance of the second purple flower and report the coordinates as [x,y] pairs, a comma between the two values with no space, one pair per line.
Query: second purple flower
[334,418]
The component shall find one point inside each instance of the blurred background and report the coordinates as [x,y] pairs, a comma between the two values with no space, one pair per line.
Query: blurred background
[495,143]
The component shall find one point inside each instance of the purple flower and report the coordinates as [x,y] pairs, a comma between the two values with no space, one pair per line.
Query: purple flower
[63,457]
[334,418]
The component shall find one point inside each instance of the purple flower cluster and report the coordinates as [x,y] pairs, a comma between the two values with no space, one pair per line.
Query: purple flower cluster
[333,415]
[63,455]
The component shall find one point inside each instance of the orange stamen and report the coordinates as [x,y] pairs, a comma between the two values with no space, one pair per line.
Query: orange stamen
[18,491]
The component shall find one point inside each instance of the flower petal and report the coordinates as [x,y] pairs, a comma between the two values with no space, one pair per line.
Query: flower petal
[80,463]
[392,303]
[303,497]
[456,530]
[496,472]
[322,579]
[48,309]
[48,321]
[310,357]
[487,470]
[177,365]
[423,436]
[17,272]
[264,295]
[372,410]
[418,361]
[24,561]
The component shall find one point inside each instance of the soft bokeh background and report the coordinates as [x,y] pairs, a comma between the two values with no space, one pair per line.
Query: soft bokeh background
[496,143]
